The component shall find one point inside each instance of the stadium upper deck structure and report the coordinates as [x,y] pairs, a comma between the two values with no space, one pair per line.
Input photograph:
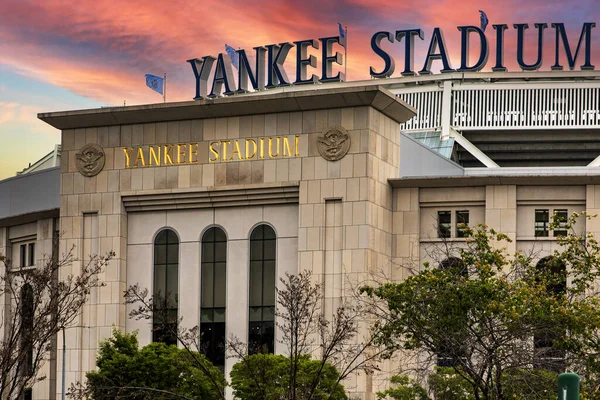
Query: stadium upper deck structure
[501,119]
[504,119]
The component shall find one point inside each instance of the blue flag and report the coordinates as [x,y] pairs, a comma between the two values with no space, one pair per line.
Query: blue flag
[155,83]
[233,56]
[342,35]
[484,20]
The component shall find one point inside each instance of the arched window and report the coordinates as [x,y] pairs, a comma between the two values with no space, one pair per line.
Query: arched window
[553,270]
[166,290]
[27,310]
[213,295]
[263,244]
[545,354]
[450,352]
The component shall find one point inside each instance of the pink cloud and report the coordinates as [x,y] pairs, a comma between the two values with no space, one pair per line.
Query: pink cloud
[102,48]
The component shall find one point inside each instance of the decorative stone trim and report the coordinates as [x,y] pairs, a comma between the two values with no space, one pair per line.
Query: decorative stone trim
[90,159]
[212,199]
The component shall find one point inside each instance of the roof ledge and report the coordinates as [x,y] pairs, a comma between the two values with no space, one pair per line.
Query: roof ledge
[248,104]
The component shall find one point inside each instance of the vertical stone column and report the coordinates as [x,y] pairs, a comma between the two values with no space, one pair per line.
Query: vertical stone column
[501,212]
[592,207]
[345,219]
[332,275]
[406,254]
[406,231]
[237,282]
[333,196]
[45,252]
[3,241]
[93,221]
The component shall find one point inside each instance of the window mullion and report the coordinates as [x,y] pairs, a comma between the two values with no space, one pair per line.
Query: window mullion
[166,271]
[262,271]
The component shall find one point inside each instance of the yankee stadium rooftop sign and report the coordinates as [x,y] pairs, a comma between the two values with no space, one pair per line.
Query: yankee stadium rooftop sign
[269,59]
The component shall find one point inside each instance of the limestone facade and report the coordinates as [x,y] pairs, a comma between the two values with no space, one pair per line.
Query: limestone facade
[333,218]
[509,209]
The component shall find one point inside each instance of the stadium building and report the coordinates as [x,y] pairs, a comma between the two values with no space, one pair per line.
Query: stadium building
[215,200]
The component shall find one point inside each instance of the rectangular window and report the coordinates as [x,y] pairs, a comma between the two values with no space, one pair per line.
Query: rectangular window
[444,224]
[31,254]
[561,217]
[23,258]
[462,222]
[542,218]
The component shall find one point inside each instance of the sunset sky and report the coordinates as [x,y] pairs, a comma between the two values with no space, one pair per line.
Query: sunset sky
[62,55]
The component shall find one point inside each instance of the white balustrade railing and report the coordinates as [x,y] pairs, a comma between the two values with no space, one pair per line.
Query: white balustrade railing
[429,110]
[506,106]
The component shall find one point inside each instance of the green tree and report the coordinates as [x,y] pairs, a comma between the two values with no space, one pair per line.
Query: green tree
[335,341]
[523,384]
[485,311]
[446,384]
[267,377]
[403,388]
[156,371]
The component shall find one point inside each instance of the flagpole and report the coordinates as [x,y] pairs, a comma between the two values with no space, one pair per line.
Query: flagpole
[346,55]
[165,90]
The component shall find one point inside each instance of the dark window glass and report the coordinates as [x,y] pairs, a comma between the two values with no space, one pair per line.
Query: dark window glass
[444,224]
[220,284]
[27,310]
[462,221]
[207,293]
[213,296]
[263,249]
[255,284]
[31,254]
[256,250]
[220,251]
[166,290]
[546,355]
[171,285]
[28,394]
[561,217]
[446,357]
[23,256]
[212,342]
[173,252]
[542,218]
[261,336]
[268,296]
[160,254]
[454,264]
